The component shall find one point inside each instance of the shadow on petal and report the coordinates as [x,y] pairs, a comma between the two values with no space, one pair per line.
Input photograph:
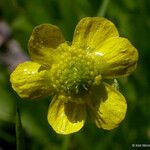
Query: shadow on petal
[75,112]
[66,117]
[97,94]
[110,110]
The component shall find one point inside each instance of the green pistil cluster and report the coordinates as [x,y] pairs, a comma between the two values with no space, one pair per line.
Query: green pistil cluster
[74,72]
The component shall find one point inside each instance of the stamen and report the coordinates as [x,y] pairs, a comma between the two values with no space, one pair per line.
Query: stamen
[76,73]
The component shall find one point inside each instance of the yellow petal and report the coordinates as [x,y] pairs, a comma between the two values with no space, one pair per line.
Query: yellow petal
[30,81]
[110,109]
[44,40]
[66,118]
[92,31]
[120,55]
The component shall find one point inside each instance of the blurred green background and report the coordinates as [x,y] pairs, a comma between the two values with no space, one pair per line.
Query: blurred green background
[132,18]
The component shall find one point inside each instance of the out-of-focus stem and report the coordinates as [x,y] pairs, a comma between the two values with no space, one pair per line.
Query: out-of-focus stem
[19,131]
[103,8]
[65,144]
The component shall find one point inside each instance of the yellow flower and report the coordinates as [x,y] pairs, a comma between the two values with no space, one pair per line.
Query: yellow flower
[75,74]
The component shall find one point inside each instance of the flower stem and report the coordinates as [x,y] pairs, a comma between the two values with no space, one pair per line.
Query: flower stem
[19,131]
[103,8]
[66,142]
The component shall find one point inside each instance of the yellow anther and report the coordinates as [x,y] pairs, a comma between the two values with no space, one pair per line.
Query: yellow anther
[97,80]
[74,72]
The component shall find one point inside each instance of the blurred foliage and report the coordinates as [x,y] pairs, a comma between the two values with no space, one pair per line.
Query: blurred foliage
[132,19]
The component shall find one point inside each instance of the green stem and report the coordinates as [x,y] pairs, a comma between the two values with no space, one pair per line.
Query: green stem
[103,8]
[19,131]
[65,145]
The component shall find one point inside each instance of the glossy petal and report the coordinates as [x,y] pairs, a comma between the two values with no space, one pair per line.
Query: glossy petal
[92,31]
[66,117]
[30,81]
[44,40]
[108,109]
[120,56]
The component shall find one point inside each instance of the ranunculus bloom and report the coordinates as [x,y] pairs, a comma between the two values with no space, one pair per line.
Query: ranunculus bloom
[75,74]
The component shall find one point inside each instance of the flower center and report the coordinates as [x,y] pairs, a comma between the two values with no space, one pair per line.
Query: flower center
[74,72]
